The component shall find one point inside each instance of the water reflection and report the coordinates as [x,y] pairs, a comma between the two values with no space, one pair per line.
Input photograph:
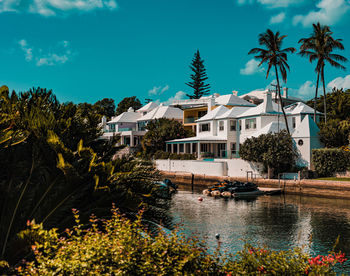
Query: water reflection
[276,221]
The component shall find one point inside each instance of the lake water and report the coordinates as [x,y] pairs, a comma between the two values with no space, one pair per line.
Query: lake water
[279,222]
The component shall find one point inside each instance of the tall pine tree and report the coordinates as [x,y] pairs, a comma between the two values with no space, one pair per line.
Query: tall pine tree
[198,77]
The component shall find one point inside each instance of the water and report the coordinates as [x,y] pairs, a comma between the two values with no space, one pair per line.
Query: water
[279,222]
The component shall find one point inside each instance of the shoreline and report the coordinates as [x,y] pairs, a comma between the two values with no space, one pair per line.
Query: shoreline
[308,187]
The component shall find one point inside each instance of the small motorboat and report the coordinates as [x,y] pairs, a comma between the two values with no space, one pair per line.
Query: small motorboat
[228,189]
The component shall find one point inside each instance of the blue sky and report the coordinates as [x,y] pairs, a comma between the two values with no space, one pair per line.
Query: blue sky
[86,50]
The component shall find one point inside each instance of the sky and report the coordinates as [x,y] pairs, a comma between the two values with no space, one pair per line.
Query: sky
[87,50]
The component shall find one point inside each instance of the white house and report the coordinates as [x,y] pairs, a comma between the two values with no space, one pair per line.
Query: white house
[130,125]
[222,130]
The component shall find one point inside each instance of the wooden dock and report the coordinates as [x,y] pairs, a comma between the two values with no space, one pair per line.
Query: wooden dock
[270,191]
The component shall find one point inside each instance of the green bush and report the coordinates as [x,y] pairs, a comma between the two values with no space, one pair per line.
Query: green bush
[118,246]
[173,156]
[329,161]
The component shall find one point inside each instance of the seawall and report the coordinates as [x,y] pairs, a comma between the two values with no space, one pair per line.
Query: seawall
[318,188]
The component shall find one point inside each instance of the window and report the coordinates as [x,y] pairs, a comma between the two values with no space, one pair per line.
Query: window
[300,142]
[204,127]
[232,125]
[233,149]
[250,123]
[204,147]
[221,125]
[112,127]
[181,148]
[294,122]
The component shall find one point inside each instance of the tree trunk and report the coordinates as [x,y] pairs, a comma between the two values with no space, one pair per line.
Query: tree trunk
[318,79]
[324,96]
[280,97]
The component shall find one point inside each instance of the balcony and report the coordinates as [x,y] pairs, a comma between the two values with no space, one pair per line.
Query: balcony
[190,120]
[125,129]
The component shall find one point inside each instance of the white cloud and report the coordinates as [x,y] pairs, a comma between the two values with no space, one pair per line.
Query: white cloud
[278,18]
[251,68]
[28,52]
[158,90]
[329,12]
[55,7]
[60,54]
[340,83]
[180,95]
[272,3]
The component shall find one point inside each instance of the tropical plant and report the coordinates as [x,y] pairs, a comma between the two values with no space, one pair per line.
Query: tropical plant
[275,57]
[160,131]
[126,103]
[319,47]
[275,151]
[199,76]
[43,175]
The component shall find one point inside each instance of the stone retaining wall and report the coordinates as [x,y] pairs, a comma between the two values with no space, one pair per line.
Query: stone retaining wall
[320,188]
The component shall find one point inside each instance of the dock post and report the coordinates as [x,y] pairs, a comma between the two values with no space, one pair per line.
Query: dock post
[192,181]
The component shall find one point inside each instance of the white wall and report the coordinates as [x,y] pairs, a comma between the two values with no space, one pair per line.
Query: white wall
[193,166]
[218,167]
[238,167]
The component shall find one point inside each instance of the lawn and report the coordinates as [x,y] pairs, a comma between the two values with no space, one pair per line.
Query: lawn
[334,178]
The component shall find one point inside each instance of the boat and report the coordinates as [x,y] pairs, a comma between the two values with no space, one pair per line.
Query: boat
[236,189]
[165,188]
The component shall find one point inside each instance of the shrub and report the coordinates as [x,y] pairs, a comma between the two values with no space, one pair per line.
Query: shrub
[173,156]
[329,161]
[118,246]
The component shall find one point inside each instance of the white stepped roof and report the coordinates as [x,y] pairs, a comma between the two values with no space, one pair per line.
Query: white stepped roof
[272,127]
[148,107]
[163,112]
[299,108]
[213,114]
[233,112]
[126,117]
[261,109]
[307,128]
[231,99]
[259,94]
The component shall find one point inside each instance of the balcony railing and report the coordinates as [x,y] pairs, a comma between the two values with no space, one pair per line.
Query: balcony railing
[190,120]
[125,129]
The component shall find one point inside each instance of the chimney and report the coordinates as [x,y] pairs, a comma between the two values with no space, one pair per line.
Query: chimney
[267,103]
[234,92]
[211,102]
[216,95]
[285,92]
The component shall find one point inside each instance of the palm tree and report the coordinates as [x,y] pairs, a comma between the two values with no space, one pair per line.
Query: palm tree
[319,46]
[275,57]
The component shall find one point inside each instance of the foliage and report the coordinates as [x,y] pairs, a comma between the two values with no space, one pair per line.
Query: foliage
[336,131]
[105,107]
[320,46]
[276,151]
[199,76]
[173,156]
[46,168]
[329,161]
[276,57]
[118,246]
[160,131]
[126,103]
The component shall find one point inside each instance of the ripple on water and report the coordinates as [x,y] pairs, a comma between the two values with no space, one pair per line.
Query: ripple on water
[279,222]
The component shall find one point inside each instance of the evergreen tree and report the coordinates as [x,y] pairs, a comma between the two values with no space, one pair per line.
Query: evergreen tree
[198,77]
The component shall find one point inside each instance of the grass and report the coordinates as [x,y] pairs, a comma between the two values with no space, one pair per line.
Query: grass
[334,178]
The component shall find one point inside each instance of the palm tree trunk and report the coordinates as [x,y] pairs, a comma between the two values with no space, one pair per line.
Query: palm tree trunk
[324,96]
[280,97]
[315,101]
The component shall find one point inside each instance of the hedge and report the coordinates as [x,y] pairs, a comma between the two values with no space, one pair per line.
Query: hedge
[329,161]
[174,156]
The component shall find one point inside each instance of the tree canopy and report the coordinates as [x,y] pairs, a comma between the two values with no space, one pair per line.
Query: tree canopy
[199,76]
[126,103]
[105,107]
[160,131]
[335,133]
[276,151]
